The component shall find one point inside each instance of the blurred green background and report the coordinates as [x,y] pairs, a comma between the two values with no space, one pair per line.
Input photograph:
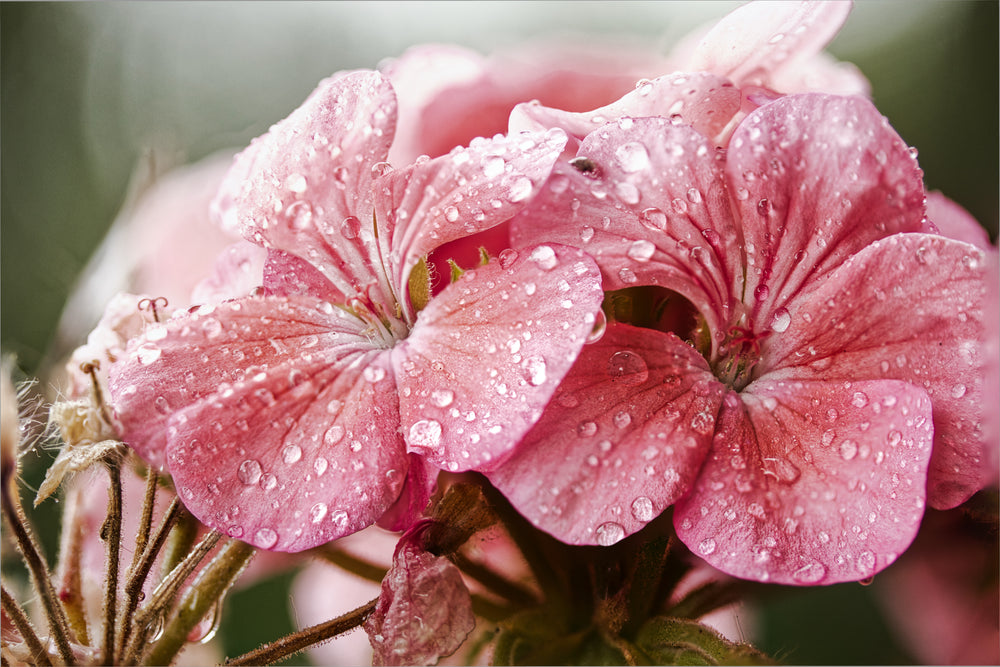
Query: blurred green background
[89,88]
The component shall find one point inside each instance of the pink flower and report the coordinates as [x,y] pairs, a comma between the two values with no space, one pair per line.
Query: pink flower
[295,415]
[833,343]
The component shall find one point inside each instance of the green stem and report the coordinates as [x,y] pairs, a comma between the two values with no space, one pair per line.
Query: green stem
[353,564]
[38,653]
[494,582]
[206,591]
[291,644]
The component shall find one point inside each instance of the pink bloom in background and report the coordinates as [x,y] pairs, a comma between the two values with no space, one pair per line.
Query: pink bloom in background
[295,415]
[834,344]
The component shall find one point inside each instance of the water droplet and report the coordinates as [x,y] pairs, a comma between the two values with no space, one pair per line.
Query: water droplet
[425,434]
[291,454]
[609,533]
[320,465]
[535,372]
[622,419]
[507,257]
[627,276]
[632,157]
[654,218]
[318,512]
[350,227]
[493,166]
[810,573]
[333,435]
[299,215]
[296,183]
[545,257]
[641,250]
[586,429]
[147,353]
[374,373]
[848,450]
[694,195]
[780,320]
[958,391]
[520,189]
[860,399]
[442,397]
[249,472]
[742,194]
[866,563]
[451,214]
[764,207]
[786,471]
[627,368]
[642,508]
[707,547]
[762,292]
[265,538]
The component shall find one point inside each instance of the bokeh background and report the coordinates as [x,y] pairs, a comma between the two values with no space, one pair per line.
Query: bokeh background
[89,90]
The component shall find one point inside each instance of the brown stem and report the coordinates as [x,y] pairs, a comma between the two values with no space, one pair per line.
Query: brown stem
[113,536]
[291,644]
[23,625]
[54,612]
[353,564]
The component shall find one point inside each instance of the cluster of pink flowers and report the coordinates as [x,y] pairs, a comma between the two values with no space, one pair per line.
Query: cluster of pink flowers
[815,370]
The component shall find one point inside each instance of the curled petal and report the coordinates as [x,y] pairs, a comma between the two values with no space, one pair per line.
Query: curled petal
[238,270]
[804,485]
[911,308]
[621,440]
[955,222]
[305,187]
[652,209]
[816,178]
[487,353]
[424,612]
[467,191]
[699,99]
[754,43]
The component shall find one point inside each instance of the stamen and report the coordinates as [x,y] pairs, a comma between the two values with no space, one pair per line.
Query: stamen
[152,305]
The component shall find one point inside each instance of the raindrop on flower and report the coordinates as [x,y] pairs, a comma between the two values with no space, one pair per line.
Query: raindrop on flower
[545,257]
[810,573]
[350,227]
[318,512]
[848,450]
[654,218]
[632,157]
[442,398]
[609,533]
[642,508]
[706,547]
[425,434]
[249,472]
[780,320]
[628,368]
[147,353]
[535,371]
[520,189]
[507,257]
[291,454]
[641,250]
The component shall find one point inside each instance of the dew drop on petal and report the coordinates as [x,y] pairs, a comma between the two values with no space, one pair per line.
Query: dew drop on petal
[350,227]
[147,353]
[320,465]
[586,429]
[318,512]
[627,275]
[866,562]
[520,189]
[780,320]
[958,391]
[848,450]
[628,368]
[507,257]
[265,538]
[425,434]
[654,218]
[706,547]
[291,454]
[333,435]
[632,157]
[860,399]
[451,214]
[609,533]
[545,257]
[374,373]
[249,472]
[642,508]
[641,250]
[535,371]
[442,398]
[296,183]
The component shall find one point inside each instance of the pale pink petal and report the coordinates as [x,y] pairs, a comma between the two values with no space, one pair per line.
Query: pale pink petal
[278,416]
[701,100]
[752,44]
[955,222]
[815,178]
[420,77]
[467,191]
[623,437]
[238,270]
[804,486]
[821,73]
[305,187]
[652,210]
[486,354]
[424,612]
[911,308]
[285,273]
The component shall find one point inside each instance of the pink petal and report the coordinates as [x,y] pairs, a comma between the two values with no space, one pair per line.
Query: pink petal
[421,481]
[305,187]
[653,211]
[804,486]
[424,612]
[815,179]
[702,100]
[278,416]
[911,308]
[467,191]
[238,270]
[955,222]
[622,439]
[756,41]
[487,353]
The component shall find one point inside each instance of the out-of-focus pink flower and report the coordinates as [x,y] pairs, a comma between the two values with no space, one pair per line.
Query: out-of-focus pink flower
[295,415]
[833,343]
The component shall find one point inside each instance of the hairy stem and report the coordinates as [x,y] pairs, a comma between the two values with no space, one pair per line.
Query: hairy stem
[111,533]
[291,644]
[23,625]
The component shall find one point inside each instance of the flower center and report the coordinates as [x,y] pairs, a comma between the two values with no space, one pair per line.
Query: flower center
[737,357]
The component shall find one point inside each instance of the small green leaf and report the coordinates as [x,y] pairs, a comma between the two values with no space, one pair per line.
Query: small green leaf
[420,285]
[680,641]
[484,256]
[456,270]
